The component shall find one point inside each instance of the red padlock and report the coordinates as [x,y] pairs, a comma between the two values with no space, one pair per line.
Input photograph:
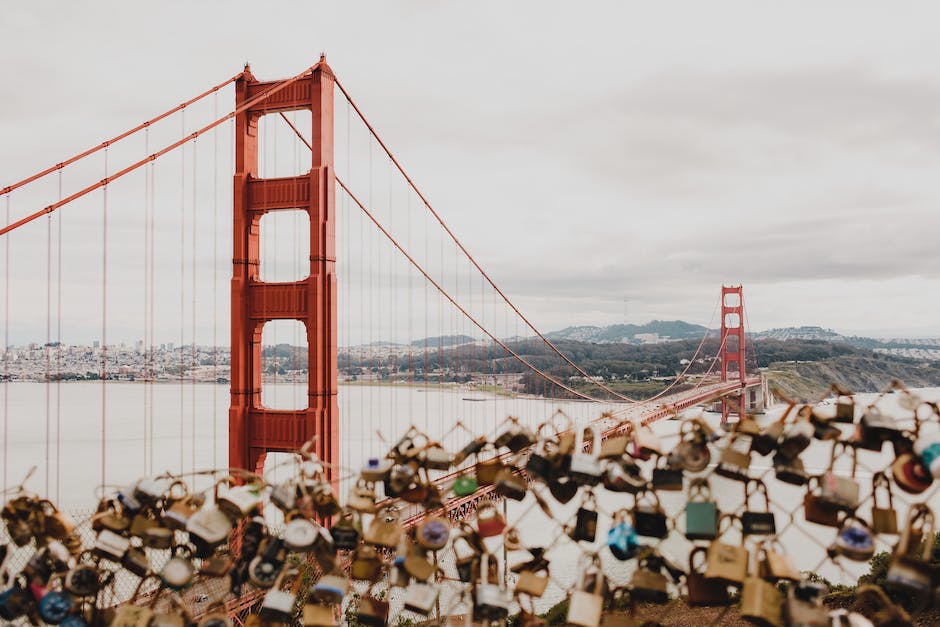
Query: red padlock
[489,521]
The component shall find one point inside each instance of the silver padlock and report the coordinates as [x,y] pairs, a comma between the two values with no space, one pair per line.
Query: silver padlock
[300,534]
[490,601]
[209,525]
[330,589]
[420,598]
[278,605]
[585,607]
[239,501]
[150,490]
[111,546]
[586,468]
[284,495]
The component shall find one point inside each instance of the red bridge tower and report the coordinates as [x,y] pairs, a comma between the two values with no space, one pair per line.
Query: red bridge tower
[732,355]
[253,429]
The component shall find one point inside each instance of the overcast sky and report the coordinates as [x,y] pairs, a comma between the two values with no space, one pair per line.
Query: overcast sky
[585,152]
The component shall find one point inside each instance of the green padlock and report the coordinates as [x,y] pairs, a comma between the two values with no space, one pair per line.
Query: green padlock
[465,485]
[701,512]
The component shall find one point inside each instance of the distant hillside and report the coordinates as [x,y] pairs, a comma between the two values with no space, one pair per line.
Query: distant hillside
[663,330]
[443,340]
[859,373]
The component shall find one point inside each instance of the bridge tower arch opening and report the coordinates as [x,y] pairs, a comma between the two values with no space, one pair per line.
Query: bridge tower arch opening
[255,430]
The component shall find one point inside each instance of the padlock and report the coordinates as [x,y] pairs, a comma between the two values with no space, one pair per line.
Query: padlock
[420,598]
[585,526]
[649,519]
[875,428]
[701,512]
[362,498]
[727,562]
[490,522]
[417,565]
[371,611]
[487,470]
[278,604]
[144,520]
[585,468]
[545,462]
[472,448]
[844,407]
[735,459]
[300,534]
[400,477]
[56,524]
[766,440]
[467,556]
[464,485]
[615,445]
[319,615]
[265,568]
[346,531]
[83,579]
[648,584]
[761,603]
[490,600]
[790,471]
[927,448]
[623,475]
[883,519]
[132,615]
[510,484]
[322,498]
[691,453]
[585,604]
[855,540]
[755,522]
[840,492]
[366,564]
[55,605]
[111,546]
[215,566]
[908,574]
[622,539]
[136,561]
[178,571]
[240,501]
[668,479]
[818,511]
[179,508]
[909,474]
[331,588]
[798,435]
[801,609]
[773,564]
[110,516]
[515,437]
[880,607]
[644,443]
[210,525]
[385,529]
[433,533]
[375,470]
[563,489]
[701,590]
[533,580]
[436,457]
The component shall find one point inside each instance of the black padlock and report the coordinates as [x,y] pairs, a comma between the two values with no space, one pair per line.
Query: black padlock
[585,526]
[753,522]
[649,519]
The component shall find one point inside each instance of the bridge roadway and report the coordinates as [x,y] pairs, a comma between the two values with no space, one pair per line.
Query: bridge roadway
[642,413]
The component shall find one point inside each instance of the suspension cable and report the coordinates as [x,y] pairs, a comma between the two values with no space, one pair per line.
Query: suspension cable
[467,253]
[169,148]
[440,289]
[113,140]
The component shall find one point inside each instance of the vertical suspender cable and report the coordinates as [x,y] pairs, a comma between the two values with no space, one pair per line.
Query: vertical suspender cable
[146,250]
[48,351]
[6,352]
[192,347]
[104,325]
[215,283]
[150,290]
[182,277]
[58,353]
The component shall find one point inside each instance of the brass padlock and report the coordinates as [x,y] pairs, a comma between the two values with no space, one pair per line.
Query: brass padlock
[385,529]
[362,498]
[533,580]
[366,564]
[883,519]
[727,562]
[774,564]
[648,584]
[907,573]
[761,602]
[585,468]
[586,605]
[735,459]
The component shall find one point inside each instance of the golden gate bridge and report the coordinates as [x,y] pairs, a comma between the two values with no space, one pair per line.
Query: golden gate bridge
[356,232]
